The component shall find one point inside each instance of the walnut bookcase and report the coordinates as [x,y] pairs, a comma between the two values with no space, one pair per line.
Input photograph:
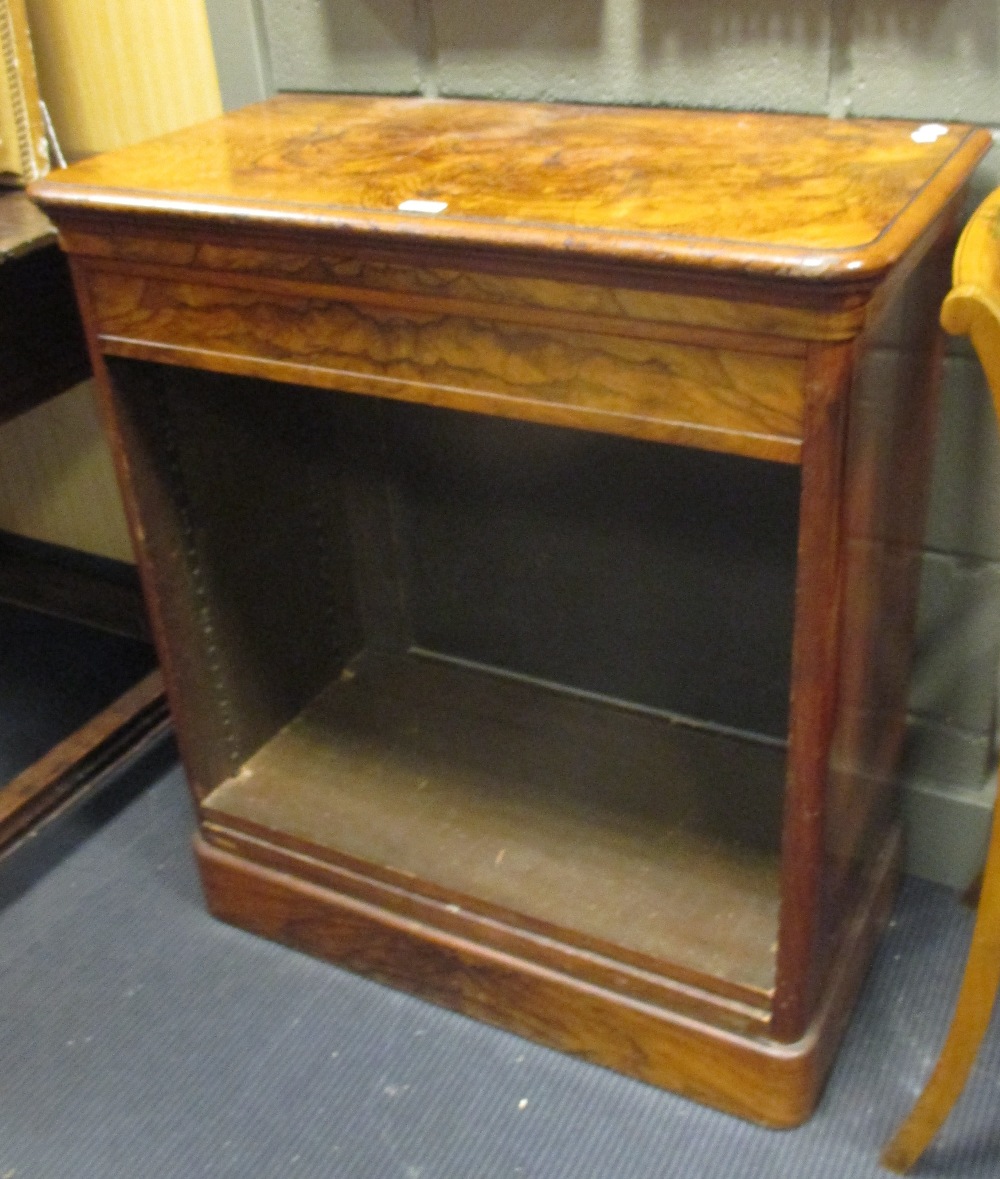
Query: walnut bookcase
[533,568]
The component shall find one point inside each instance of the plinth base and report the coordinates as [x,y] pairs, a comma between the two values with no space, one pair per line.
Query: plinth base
[405,941]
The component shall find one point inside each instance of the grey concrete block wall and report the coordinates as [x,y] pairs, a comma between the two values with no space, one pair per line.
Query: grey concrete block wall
[964,517]
[959,608]
[336,45]
[924,59]
[669,52]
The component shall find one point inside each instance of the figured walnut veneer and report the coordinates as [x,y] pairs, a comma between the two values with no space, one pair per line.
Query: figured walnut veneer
[585,374]
[682,188]
[440,679]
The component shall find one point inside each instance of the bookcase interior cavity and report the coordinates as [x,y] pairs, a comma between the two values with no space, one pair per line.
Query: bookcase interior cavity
[541,670]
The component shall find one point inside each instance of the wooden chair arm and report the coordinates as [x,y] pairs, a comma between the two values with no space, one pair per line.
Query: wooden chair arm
[974,311]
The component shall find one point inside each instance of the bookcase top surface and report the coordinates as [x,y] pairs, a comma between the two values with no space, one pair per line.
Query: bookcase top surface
[785,195]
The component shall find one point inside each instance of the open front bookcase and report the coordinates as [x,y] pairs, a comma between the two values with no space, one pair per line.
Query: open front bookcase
[534,567]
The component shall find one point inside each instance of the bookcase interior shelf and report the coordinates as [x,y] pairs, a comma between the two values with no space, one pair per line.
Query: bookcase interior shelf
[600,824]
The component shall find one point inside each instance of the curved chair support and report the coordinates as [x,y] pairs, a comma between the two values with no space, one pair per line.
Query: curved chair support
[972,309]
[968,1025]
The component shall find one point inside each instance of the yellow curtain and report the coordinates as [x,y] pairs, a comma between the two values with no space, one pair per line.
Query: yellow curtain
[114,72]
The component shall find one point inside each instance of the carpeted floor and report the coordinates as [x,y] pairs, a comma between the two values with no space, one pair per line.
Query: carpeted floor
[139,1038]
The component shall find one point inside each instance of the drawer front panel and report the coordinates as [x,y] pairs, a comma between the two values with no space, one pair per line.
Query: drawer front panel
[712,397]
[782,324]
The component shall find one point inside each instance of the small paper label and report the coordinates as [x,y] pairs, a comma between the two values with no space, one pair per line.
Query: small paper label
[929,133]
[416,206]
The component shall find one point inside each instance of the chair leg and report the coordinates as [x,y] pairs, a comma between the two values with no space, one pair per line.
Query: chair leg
[968,1026]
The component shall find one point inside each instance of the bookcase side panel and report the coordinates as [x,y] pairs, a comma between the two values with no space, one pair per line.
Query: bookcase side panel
[893,423]
[240,506]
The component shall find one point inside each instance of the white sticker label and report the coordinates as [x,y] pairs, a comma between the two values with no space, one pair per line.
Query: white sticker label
[422,206]
[929,133]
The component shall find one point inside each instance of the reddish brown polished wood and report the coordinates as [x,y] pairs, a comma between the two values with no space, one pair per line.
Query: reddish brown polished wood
[690,278]
[844,199]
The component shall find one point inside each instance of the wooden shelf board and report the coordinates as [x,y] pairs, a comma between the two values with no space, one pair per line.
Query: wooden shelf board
[606,825]
[90,756]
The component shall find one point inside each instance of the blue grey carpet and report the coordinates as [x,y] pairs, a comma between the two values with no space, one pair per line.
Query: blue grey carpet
[140,1038]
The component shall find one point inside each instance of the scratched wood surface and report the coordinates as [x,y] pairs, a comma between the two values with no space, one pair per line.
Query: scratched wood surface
[843,199]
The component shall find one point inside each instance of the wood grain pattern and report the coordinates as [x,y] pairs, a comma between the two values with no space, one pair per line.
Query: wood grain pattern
[844,198]
[768,326]
[730,1007]
[892,429]
[684,277]
[722,399]
[748,1075]
[728,1071]
[858,621]
[813,688]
